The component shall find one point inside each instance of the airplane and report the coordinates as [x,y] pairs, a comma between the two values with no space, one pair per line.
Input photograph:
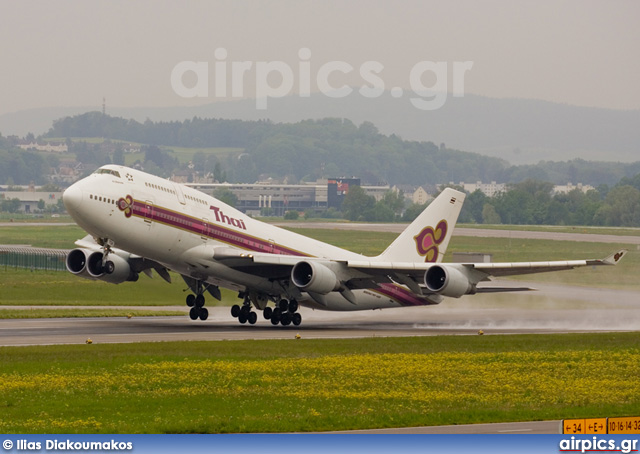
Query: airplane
[137,222]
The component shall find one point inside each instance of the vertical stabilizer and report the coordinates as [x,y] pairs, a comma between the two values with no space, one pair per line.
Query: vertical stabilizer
[426,239]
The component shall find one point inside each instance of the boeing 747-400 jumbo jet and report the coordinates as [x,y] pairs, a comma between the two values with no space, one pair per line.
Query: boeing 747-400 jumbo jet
[138,222]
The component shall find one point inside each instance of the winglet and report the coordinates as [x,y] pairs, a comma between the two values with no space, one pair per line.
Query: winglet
[612,259]
[616,257]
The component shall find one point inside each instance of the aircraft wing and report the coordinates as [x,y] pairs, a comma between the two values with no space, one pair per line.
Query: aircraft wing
[489,269]
[448,279]
[457,279]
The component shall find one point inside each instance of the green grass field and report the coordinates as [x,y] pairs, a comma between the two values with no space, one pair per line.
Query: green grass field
[23,287]
[56,237]
[59,288]
[316,385]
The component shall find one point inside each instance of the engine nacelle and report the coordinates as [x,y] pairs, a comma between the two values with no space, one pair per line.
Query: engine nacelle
[76,262]
[448,281]
[88,264]
[314,277]
[115,269]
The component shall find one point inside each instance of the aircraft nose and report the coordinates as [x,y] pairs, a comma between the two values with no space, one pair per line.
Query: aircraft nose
[72,198]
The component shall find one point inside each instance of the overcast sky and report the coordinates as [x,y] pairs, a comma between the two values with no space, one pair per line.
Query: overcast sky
[74,52]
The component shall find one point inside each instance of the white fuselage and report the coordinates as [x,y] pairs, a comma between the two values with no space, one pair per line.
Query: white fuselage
[182,228]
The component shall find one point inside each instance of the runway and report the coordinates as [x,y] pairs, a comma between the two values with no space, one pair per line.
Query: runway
[551,309]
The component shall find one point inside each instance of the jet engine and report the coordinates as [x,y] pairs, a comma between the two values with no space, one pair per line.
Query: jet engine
[314,277]
[89,264]
[77,262]
[449,281]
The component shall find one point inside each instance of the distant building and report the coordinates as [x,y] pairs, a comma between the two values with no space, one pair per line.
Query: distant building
[59,148]
[129,148]
[488,189]
[279,198]
[378,192]
[565,189]
[337,189]
[420,196]
[68,172]
[29,199]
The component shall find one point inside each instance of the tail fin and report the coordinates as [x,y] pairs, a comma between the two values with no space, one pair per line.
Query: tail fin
[426,239]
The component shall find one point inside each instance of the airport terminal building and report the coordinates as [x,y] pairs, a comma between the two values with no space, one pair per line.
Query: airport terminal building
[254,198]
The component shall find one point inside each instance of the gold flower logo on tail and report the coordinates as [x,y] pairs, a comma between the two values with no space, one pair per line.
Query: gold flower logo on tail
[126,204]
[428,240]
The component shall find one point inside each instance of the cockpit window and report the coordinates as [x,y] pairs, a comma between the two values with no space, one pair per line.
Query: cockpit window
[109,171]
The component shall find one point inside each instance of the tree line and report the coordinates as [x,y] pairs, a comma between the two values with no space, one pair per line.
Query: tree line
[332,147]
[530,202]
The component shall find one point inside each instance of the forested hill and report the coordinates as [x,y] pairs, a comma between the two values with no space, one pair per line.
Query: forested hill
[333,147]
[307,149]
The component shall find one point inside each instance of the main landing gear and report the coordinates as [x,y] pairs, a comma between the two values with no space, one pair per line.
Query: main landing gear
[244,314]
[196,303]
[285,313]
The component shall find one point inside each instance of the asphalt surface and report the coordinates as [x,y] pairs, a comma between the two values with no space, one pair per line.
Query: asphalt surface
[550,309]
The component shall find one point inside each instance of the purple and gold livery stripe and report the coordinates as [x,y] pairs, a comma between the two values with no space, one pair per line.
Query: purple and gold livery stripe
[235,237]
[401,295]
[207,229]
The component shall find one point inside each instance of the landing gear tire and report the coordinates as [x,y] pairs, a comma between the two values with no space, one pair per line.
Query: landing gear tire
[199,301]
[275,316]
[242,318]
[204,313]
[235,311]
[252,318]
[285,319]
[191,300]
[109,267]
[285,313]
[194,313]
